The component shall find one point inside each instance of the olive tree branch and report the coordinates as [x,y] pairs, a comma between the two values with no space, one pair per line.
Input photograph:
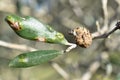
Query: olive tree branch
[105,35]
[104,31]
[16,46]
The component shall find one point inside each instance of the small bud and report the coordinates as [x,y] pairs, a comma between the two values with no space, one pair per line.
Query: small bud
[82,36]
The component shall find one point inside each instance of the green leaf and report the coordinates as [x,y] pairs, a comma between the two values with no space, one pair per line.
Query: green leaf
[34,58]
[33,29]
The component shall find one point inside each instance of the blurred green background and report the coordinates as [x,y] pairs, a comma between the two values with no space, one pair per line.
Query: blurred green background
[63,15]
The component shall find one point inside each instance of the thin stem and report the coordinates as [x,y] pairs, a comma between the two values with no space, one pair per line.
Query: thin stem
[71,46]
[16,46]
[105,35]
[92,69]
[60,71]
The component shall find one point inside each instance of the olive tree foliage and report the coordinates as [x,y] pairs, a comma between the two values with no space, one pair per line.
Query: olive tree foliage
[91,25]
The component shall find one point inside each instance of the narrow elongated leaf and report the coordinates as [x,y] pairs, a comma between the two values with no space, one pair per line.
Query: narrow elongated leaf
[33,29]
[34,58]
